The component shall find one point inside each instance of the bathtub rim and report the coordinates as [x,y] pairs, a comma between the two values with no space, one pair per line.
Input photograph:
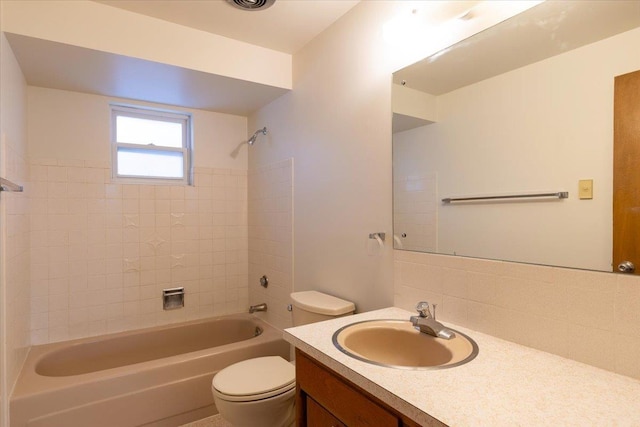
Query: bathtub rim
[172,335]
[31,383]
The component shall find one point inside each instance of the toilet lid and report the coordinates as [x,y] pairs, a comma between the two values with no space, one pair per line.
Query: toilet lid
[321,303]
[255,377]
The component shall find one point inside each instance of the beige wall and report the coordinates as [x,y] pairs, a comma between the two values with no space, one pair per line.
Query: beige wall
[102,251]
[76,126]
[413,103]
[14,226]
[336,125]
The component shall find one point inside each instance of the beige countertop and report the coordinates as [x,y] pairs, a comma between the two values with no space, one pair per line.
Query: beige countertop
[505,385]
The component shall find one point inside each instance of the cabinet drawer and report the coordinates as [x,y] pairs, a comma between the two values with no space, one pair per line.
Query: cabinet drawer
[340,399]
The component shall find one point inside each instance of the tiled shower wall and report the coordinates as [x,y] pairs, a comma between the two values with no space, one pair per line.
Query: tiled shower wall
[15,259]
[591,317]
[102,251]
[14,226]
[271,239]
[415,207]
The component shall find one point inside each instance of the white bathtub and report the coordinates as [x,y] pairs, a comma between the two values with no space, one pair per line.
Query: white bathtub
[152,377]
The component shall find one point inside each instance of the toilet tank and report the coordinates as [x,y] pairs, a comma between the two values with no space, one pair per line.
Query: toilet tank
[314,306]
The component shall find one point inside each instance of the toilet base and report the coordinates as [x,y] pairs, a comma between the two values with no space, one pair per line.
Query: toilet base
[277,411]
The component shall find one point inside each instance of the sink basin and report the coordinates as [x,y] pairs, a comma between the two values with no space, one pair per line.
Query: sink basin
[397,344]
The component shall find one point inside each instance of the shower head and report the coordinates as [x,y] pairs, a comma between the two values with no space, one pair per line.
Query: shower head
[255,135]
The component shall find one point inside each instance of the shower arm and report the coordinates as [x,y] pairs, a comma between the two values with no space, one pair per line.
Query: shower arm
[255,135]
[263,130]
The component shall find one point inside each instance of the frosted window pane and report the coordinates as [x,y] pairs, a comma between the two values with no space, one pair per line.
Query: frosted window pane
[133,130]
[145,163]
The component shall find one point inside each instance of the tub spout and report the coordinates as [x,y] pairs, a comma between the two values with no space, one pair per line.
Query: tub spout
[259,307]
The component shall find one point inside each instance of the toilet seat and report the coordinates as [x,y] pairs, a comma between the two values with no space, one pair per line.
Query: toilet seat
[254,379]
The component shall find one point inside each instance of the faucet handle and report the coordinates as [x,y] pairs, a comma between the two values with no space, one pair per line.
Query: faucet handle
[423,309]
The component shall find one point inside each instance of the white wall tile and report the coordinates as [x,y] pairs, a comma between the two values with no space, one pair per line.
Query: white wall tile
[264,184]
[102,252]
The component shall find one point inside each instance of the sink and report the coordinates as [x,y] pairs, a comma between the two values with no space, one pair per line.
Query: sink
[397,344]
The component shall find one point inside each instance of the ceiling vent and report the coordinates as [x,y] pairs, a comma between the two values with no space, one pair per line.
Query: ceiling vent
[251,4]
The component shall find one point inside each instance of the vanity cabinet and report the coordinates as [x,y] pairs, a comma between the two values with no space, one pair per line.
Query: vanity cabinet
[317,416]
[326,399]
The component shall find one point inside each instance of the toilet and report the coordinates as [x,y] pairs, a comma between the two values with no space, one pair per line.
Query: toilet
[260,392]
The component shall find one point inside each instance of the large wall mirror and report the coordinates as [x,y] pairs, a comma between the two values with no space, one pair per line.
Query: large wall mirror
[523,108]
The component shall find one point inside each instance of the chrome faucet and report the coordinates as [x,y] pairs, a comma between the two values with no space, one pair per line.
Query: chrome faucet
[259,307]
[427,323]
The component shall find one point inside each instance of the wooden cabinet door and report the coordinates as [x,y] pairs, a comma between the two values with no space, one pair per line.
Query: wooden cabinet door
[317,416]
[326,399]
[338,397]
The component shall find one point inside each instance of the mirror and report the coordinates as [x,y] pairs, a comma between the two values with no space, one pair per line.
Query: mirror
[522,108]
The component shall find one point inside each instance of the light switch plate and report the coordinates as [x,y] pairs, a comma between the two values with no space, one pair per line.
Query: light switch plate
[585,189]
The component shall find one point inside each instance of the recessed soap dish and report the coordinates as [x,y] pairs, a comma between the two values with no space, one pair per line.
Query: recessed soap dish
[173,298]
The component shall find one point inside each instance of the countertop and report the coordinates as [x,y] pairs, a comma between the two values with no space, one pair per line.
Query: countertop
[505,385]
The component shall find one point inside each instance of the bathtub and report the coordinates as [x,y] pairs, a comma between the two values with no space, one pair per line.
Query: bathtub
[152,377]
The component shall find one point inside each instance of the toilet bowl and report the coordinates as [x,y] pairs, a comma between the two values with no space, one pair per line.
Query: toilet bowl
[260,392]
[256,392]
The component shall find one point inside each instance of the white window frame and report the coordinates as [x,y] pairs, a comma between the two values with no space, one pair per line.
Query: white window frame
[153,114]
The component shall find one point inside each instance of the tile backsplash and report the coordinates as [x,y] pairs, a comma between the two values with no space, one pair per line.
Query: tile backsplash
[102,251]
[591,317]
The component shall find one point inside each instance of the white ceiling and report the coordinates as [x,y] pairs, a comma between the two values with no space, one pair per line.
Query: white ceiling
[60,66]
[286,26]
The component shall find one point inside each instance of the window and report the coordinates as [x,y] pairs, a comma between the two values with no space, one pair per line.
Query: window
[150,145]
